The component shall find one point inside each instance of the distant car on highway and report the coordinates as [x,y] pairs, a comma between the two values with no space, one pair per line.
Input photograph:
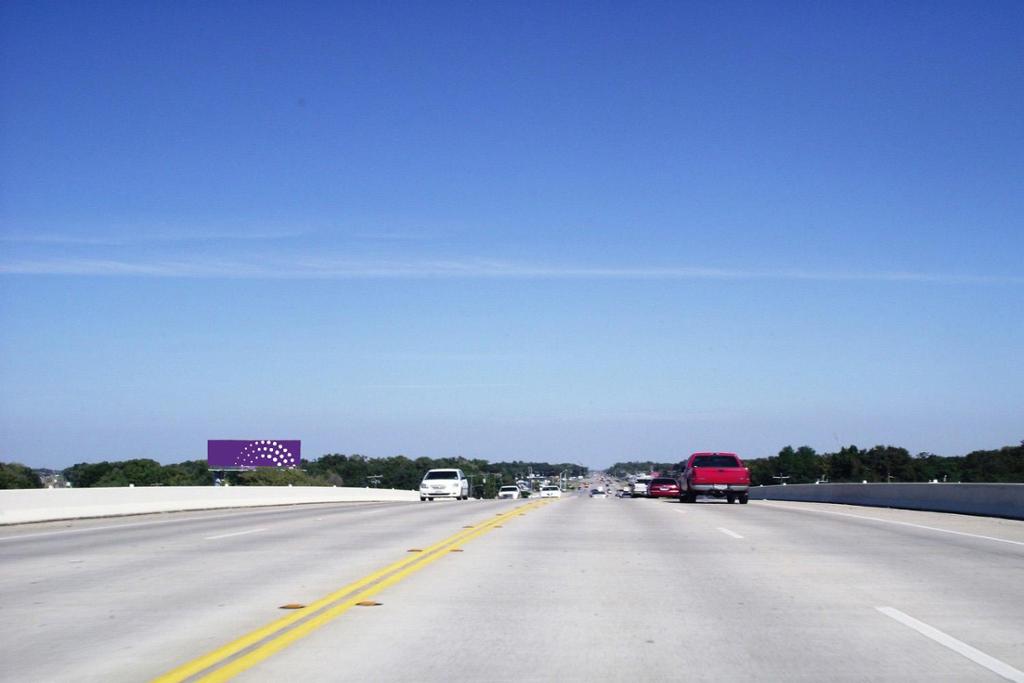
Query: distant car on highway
[715,474]
[444,483]
[663,487]
[640,487]
[598,493]
[550,491]
[622,493]
[509,492]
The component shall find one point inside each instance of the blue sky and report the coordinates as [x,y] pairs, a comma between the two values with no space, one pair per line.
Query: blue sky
[564,231]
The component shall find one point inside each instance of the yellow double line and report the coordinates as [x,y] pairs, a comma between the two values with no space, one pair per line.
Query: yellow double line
[279,634]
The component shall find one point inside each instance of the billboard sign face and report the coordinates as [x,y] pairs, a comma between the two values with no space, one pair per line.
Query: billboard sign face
[238,454]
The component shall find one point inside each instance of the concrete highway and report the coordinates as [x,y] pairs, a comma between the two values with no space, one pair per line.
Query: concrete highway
[571,589]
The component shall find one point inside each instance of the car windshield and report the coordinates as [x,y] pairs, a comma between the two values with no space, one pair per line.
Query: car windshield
[509,489]
[442,474]
[658,482]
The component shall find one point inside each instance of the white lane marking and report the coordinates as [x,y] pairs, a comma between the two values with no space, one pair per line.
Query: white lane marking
[975,655]
[109,527]
[729,533]
[893,521]
[237,533]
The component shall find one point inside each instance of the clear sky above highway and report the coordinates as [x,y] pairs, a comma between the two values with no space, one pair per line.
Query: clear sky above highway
[561,231]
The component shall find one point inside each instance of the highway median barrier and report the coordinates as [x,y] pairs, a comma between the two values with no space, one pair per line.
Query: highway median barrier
[19,506]
[990,500]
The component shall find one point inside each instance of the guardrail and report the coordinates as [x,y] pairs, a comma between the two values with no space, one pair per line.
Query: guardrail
[38,505]
[991,500]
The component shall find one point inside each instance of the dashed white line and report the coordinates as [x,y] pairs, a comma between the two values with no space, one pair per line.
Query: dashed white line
[893,521]
[728,532]
[111,527]
[237,533]
[176,520]
[975,655]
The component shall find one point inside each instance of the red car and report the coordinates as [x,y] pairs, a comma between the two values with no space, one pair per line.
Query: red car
[663,487]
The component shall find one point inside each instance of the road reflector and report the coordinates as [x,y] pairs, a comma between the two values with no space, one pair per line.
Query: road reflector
[414,550]
[468,526]
[368,603]
[496,526]
[456,550]
[292,605]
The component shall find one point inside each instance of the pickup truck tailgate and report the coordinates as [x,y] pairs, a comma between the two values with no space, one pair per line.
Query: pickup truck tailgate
[720,475]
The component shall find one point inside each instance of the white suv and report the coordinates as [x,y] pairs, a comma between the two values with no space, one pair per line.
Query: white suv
[444,484]
[640,487]
[509,492]
[550,491]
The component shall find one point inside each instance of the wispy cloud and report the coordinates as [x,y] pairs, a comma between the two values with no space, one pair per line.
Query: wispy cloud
[444,356]
[436,386]
[163,237]
[306,267]
[682,416]
[110,267]
[394,236]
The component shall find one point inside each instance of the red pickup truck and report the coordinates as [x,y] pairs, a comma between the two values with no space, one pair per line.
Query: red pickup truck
[714,474]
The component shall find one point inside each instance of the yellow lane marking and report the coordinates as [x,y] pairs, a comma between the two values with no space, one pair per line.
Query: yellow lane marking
[283,640]
[222,653]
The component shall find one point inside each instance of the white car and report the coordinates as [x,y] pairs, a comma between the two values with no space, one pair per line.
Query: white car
[640,487]
[598,493]
[550,491]
[449,483]
[509,492]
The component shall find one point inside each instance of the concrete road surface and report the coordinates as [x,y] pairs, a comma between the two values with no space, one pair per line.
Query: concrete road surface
[571,589]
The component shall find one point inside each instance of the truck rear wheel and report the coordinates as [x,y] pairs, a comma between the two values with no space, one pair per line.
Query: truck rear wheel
[744,497]
[730,498]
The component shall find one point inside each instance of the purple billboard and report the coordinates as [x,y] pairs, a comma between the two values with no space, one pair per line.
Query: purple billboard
[233,453]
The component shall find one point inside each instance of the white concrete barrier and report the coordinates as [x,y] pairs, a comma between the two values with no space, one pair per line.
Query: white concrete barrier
[992,500]
[38,505]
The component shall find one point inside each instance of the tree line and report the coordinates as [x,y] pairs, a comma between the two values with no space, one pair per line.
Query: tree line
[804,465]
[800,465]
[398,472]
[14,475]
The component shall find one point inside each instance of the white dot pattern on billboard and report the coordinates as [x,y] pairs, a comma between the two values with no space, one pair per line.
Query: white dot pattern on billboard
[267,454]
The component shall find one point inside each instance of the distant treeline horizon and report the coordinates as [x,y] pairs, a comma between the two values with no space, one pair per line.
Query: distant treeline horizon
[398,472]
[799,465]
[804,465]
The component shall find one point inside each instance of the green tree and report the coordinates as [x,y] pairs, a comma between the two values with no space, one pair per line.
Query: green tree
[278,477]
[1003,465]
[17,476]
[761,471]
[802,466]
[190,473]
[85,475]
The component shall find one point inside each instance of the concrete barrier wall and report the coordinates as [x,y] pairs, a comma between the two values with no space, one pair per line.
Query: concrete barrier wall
[993,500]
[37,505]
